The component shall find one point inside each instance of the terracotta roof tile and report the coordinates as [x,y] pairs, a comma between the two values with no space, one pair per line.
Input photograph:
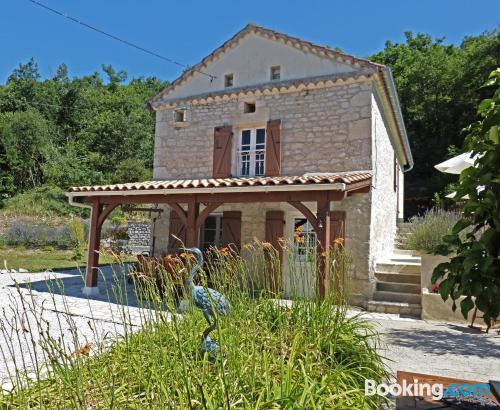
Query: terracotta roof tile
[327,178]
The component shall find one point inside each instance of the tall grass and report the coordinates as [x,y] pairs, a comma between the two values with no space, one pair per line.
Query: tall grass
[275,353]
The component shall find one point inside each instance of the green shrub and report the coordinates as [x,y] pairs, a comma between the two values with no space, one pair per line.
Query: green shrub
[77,232]
[43,201]
[35,235]
[427,231]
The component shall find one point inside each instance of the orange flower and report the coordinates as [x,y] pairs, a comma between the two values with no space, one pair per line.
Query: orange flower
[247,246]
[298,229]
[267,245]
[298,238]
[224,251]
[339,241]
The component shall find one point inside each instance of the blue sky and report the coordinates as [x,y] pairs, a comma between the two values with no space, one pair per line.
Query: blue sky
[188,30]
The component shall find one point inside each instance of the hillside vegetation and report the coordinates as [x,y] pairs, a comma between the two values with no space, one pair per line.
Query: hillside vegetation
[61,131]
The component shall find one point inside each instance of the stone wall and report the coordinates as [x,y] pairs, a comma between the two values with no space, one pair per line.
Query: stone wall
[384,197]
[332,129]
[324,130]
[139,234]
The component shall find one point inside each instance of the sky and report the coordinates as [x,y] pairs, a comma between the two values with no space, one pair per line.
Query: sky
[186,31]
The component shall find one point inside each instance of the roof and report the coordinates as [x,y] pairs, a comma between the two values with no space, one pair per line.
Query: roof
[265,32]
[339,181]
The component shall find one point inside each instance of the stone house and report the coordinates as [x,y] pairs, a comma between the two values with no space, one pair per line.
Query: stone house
[269,133]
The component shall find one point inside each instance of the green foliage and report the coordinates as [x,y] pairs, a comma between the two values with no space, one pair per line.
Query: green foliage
[475,270]
[77,232]
[426,232]
[66,132]
[438,86]
[304,354]
[43,201]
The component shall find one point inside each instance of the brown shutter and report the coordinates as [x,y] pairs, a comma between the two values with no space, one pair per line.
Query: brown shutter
[275,222]
[178,229]
[223,137]
[231,229]
[337,228]
[273,148]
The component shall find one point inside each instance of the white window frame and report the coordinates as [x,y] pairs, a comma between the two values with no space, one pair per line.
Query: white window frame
[308,234]
[251,155]
[218,231]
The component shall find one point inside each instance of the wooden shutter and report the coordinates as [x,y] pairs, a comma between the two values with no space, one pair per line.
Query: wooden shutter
[337,228]
[231,229]
[223,137]
[273,148]
[275,222]
[178,229]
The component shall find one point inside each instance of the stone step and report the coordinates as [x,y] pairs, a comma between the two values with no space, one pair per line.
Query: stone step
[404,252]
[398,267]
[385,296]
[405,259]
[403,309]
[395,277]
[410,288]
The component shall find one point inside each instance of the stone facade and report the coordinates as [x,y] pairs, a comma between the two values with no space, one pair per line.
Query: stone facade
[329,129]
[324,130]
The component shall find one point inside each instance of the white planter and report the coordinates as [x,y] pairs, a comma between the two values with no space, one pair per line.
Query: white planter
[428,263]
[434,308]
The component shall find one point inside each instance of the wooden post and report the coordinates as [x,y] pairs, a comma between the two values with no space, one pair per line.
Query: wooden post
[191,231]
[323,247]
[93,251]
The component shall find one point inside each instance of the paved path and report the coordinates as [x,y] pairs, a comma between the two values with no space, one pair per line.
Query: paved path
[411,345]
[445,349]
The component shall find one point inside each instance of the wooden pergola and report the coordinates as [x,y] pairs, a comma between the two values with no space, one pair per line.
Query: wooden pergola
[185,198]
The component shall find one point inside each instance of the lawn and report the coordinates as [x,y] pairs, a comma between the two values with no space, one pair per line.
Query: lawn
[39,260]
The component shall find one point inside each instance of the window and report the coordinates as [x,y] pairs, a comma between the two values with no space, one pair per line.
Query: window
[211,232]
[180,115]
[251,153]
[249,108]
[228,80]
[275,72]
[304,239]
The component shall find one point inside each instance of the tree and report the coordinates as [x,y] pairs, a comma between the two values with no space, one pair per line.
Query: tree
[25,139]
[474,271]
[438,89]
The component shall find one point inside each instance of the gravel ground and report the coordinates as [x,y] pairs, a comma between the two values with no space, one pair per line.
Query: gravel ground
[410,345]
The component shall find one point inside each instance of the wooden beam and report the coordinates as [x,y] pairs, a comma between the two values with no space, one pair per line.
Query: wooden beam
[191,231]
[225,197]
[323,247]
[94,242]
[179,211]
[209,208]
[105,213]
[306,212]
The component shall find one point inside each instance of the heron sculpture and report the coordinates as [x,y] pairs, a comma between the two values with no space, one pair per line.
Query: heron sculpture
[209,301]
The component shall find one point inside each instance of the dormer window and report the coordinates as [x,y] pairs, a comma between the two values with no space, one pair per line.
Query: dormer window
[228,80]
[180,115]
[275,72]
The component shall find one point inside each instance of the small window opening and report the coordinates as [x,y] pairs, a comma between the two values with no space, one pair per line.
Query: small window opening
[180,115]
[249,108]
[275,72]
[228,80]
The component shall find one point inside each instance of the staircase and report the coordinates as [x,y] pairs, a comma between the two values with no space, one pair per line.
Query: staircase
[398,288]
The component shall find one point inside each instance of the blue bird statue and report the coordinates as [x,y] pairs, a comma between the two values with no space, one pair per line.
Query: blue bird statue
[209,301]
